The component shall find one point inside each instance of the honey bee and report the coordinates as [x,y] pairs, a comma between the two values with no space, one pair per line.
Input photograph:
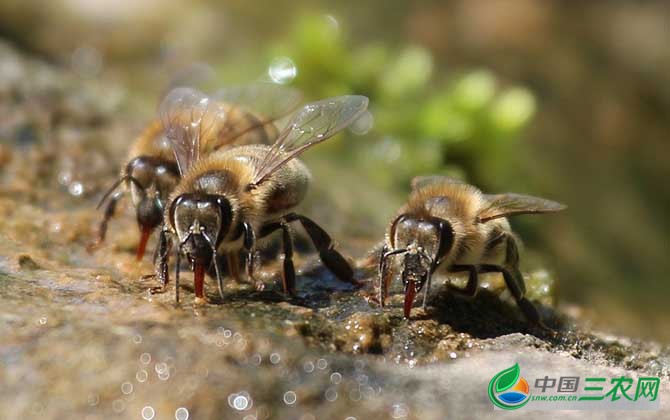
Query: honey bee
[449,225]
[244,115]
[228,200]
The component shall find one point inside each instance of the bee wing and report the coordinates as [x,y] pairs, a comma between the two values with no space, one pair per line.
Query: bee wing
[187,116]
[503,205]
[424,181]
[195,75]
[266,102]
[314,123]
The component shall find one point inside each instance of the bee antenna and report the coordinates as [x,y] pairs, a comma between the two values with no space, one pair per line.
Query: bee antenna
[215,255]
[382,260]
[178,260]
[427,257]
[115,186]
[394,252]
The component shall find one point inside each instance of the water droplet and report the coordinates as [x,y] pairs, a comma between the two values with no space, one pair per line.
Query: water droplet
[282,70]
[240,401]
[399,411]
[56,227]
[118,406]
[181,414]
[76,189]
[367,392]
[388,150]
[145,358]
[332,21]
[161,367]
[331,394]
[275,358]
[164,376]
[363,124]
[141,375]
[322,364]
[336,378]
[43,320]
[137,339]
[93,399]
[308,367]
[126,388]
[290,397]
[362,379]
[453,355]
[64,178]
[148,412]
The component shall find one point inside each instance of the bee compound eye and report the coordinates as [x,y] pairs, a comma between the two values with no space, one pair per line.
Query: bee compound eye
[142,170]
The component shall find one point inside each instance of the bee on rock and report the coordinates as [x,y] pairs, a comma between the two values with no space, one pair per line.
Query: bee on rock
[228,200]
[245,115]
[452,226]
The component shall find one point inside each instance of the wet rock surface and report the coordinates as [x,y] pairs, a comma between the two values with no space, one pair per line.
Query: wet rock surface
[80,335]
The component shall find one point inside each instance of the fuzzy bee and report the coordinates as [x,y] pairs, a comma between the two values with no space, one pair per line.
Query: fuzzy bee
[228,200]
[452,226]
[244,115]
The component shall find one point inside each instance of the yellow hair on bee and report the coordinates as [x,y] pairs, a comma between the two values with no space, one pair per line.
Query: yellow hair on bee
[152,143]
[460,200]
[223,174]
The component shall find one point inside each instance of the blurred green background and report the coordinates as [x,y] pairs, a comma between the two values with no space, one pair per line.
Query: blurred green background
[570,102]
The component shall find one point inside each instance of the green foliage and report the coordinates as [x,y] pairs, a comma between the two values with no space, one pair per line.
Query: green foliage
[422,122]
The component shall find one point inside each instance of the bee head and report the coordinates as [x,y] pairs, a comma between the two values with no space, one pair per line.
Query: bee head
[150,180]
[423,242]
[200,221]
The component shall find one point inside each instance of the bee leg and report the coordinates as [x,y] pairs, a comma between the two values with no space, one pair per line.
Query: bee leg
[470,289]
[385,275]
[161,263]
[332,259]
[426,291]
[512,263]
[233,262]
[102,229]
[288,272]
[515,284]
[249,243]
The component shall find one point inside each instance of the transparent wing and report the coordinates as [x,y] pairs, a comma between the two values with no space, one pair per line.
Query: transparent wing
[314,123]
[424,181]
[261,103]
[503,205]
[195,75]
[187,116]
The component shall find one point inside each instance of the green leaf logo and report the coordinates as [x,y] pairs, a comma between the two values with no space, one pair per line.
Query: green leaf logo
[507,378]
[502,382]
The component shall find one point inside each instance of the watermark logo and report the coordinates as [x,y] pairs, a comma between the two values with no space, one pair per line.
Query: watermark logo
[508,390]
